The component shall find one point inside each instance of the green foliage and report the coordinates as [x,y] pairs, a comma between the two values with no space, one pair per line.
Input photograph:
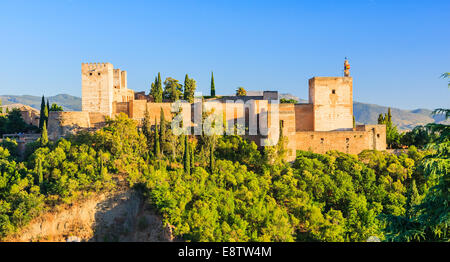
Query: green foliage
[189,89]
[55,108]
[241,92]
[393,137]
[172,90]
[156,90]
[14,123]
[213,86]
[42,115]
[44,135]
[288,101]
[187,156]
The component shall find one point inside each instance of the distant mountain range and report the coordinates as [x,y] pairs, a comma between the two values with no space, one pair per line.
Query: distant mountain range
[364,113]
[68,102]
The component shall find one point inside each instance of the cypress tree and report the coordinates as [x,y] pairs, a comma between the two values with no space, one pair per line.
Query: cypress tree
[192,157]
[40,176]
[159,88]
[186,157]
[162,134]
[187,88]
[45,117]
[156,90]
[213,87]
[48,110]
[44,135]
[157,149]
[389,116]
[41,114]
[146,125]
[413,198]
[211,158]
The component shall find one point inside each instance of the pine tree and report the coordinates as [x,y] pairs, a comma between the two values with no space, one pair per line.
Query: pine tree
[213,87]
[44,135]
[186,157]
[157,149]
[41,114]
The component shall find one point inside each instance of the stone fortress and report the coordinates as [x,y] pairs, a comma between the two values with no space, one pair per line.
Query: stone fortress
[324,123]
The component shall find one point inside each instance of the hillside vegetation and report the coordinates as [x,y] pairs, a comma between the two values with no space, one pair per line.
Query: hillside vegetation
[226,189]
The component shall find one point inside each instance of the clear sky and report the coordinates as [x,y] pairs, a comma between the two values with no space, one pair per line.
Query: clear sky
[397,49]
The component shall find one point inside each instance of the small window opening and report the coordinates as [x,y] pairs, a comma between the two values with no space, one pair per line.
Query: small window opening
[333,91]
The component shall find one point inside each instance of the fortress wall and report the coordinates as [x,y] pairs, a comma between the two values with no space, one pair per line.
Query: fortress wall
[378,135]
[121,107]
[64,123]
[350,142]
[30,117]
[304,117]
[96,120]
[138,107]
[287,118]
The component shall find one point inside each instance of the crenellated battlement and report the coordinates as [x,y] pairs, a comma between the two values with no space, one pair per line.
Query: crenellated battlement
[96,66]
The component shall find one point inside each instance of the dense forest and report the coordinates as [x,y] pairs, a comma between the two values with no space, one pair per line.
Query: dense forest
[225,188]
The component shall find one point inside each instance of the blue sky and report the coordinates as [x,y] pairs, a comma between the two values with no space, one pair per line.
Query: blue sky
[397,49]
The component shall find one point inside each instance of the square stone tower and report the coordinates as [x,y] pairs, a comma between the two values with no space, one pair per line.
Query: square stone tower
[332,101]
[97,88]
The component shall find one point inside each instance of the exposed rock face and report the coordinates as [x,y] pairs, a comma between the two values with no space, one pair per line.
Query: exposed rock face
[122,216]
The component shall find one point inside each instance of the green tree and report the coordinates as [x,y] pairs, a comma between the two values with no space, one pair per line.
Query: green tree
[42,117]
[186,157]
[413,198]
[172,89]
[393,137]
[44,135]
[56,108]
[211,158]
[156,90]
[189,89]
[241,92]
[146,124]
[157,149]
[162,134]
[213,87]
